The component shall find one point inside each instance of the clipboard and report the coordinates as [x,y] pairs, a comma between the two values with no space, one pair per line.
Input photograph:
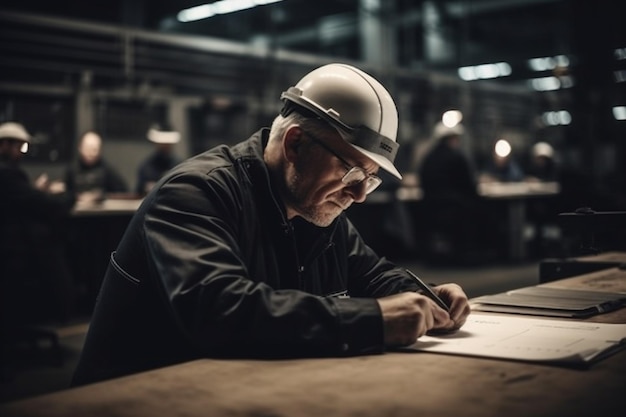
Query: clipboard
[551,302]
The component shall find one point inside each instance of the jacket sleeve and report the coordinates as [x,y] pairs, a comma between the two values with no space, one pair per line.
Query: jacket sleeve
[193,248]
[371,275]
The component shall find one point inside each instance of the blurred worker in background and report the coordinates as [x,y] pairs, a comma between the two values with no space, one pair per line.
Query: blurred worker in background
[543,165]
[455,222]
[91,178]
[445,171]
[36,282]
[245,250]
[160,161]
[545,237]
[502,166]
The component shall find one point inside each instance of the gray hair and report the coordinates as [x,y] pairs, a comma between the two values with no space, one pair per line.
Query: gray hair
[280,124]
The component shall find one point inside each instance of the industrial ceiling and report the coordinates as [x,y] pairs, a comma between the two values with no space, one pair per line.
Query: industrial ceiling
[424,35]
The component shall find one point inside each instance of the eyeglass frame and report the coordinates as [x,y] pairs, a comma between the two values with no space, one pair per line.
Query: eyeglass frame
[351,169]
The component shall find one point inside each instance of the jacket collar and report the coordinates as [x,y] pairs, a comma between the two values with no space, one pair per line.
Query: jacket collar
[250,154]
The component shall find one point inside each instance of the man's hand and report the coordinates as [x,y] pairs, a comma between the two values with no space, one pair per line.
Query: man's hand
[456,299]
[409,315]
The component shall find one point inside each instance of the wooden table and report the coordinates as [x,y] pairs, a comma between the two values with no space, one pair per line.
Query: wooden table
[391,384]
[516,195]
[108,207]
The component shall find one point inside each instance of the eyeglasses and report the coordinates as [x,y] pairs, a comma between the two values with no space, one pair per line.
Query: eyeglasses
[354,175]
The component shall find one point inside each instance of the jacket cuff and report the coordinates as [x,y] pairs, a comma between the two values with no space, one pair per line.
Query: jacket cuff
[360,326]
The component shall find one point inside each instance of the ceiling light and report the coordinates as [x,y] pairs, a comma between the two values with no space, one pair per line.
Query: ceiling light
[548,63]
[619,112]
[545,84]
[556,118]
[205,11]
[485,71]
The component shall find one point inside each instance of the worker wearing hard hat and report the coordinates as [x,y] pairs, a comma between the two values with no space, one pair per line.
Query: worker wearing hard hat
[543,164]
[36,282]
[161,160]
[457,226]
[14,140]
[14,144]
[446,170]
[245,250]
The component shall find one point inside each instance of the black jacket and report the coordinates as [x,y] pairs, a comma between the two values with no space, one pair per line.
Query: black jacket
[210,266]
[97,177]
[447,173]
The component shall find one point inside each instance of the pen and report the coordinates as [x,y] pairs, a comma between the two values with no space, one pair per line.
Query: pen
[429,292]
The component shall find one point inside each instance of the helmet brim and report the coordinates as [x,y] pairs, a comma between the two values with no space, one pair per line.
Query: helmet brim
[163,137]
[380,160]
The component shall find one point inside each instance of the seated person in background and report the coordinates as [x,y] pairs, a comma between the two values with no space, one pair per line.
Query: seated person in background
[91,178]
[160,161]
[445,170]
[246,251]
[502,167]
[541,214]
[542,165]
[455,221]
[35,278]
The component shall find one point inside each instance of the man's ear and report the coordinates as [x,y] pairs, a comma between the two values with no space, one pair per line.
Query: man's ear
[292,143]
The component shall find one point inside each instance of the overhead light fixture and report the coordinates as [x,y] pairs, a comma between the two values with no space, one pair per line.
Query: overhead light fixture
[548,63]
[205,11]
[619,112]
[551,83]
[485,71]
[620,76]
[556,118]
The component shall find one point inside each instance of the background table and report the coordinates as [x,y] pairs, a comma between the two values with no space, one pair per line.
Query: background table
[373,217]
[108,207]
[516,196]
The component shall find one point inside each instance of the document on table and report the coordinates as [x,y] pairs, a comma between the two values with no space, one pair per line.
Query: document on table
[528,339]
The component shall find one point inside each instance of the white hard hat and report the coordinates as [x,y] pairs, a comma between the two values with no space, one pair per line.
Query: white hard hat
[355,104]
[543,149]
[12,130]
[441,130]
[157,135]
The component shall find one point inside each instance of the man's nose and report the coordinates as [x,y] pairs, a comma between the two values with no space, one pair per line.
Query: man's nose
[357,191]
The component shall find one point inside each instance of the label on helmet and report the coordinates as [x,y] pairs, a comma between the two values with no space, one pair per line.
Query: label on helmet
[369,140]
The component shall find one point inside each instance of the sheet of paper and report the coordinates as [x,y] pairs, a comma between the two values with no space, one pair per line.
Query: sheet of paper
[527,339]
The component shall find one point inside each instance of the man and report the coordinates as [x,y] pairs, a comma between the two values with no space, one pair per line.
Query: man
[459,228]
[160,161]
[245,250]
[445,171]
[36,283]
[91,178]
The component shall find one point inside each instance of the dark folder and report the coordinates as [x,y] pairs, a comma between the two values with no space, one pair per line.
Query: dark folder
[550,301]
